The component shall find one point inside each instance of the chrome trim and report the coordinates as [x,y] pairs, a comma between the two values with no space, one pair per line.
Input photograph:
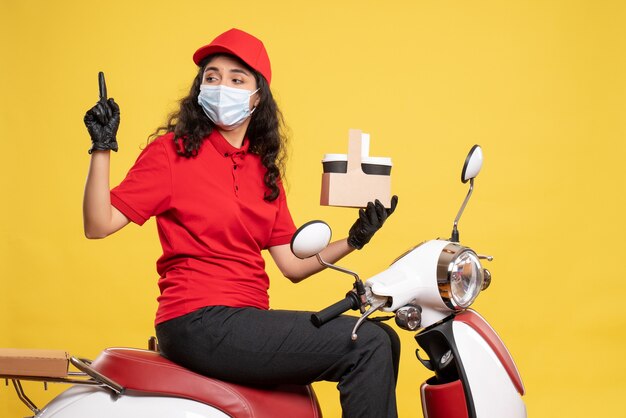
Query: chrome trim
[486,279]
[444,267]
[20,394]
[44,379]
[409,314]
[467,198]
[448,254]
[334,267]
[358,284]
[85,366]
[86,376]
[485,257]
[373,308]
[455,230]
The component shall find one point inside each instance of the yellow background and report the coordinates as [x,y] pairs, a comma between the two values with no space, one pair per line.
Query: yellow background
[541,85]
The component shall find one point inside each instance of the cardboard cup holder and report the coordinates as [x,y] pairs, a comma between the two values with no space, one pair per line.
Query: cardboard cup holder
[354,179]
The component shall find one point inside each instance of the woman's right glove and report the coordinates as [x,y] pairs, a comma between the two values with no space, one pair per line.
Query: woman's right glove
[102,122]
[370,220]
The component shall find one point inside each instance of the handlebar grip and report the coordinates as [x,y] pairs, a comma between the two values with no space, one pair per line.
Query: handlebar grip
[351,301]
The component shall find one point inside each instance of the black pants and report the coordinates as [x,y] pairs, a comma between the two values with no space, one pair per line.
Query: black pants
[258,347]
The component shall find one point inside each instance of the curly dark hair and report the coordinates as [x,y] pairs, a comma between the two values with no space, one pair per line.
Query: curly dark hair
[266,131]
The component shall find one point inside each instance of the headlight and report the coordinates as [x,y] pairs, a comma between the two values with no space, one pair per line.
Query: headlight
[459,276]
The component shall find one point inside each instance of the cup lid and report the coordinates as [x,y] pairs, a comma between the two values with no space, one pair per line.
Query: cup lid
[335,157]
[377,160]
[365,160]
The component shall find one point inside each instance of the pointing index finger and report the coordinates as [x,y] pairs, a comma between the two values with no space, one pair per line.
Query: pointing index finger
[103,87]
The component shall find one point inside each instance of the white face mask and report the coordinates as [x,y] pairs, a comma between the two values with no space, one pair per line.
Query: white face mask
[227,107]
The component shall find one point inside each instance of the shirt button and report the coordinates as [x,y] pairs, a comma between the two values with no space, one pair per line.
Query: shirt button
[235,167]
[225,154]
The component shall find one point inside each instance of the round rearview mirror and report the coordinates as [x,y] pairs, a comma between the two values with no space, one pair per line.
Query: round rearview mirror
[310,239]
[473,164]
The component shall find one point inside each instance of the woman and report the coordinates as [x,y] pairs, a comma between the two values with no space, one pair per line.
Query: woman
[213,183]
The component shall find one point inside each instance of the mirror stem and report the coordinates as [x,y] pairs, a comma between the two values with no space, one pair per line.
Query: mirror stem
[455,230]
[358,284]
[341,269]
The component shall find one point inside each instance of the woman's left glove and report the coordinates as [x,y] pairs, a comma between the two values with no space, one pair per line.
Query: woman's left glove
[370,220]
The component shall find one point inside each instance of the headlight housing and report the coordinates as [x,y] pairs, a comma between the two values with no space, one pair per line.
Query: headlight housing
[460,276]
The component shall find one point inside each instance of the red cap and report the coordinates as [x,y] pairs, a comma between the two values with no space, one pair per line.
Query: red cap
[242,45]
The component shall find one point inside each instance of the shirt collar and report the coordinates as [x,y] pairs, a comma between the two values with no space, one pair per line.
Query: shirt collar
[223,147]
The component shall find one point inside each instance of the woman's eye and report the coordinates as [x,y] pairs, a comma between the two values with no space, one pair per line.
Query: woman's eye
[210,78]
[237,81]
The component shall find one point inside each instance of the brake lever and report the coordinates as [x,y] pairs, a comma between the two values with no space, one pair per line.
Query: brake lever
[373,308]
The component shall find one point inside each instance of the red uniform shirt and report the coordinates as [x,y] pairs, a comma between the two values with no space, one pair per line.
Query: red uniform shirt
[212,220]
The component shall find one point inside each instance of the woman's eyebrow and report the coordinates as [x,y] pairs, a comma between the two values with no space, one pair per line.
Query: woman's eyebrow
[234,70]
[209,69]
[239,70]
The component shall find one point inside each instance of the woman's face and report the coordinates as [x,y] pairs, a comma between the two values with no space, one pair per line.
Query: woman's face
[227,71]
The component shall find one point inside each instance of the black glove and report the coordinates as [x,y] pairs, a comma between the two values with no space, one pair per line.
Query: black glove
[102,122]
[370,220]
